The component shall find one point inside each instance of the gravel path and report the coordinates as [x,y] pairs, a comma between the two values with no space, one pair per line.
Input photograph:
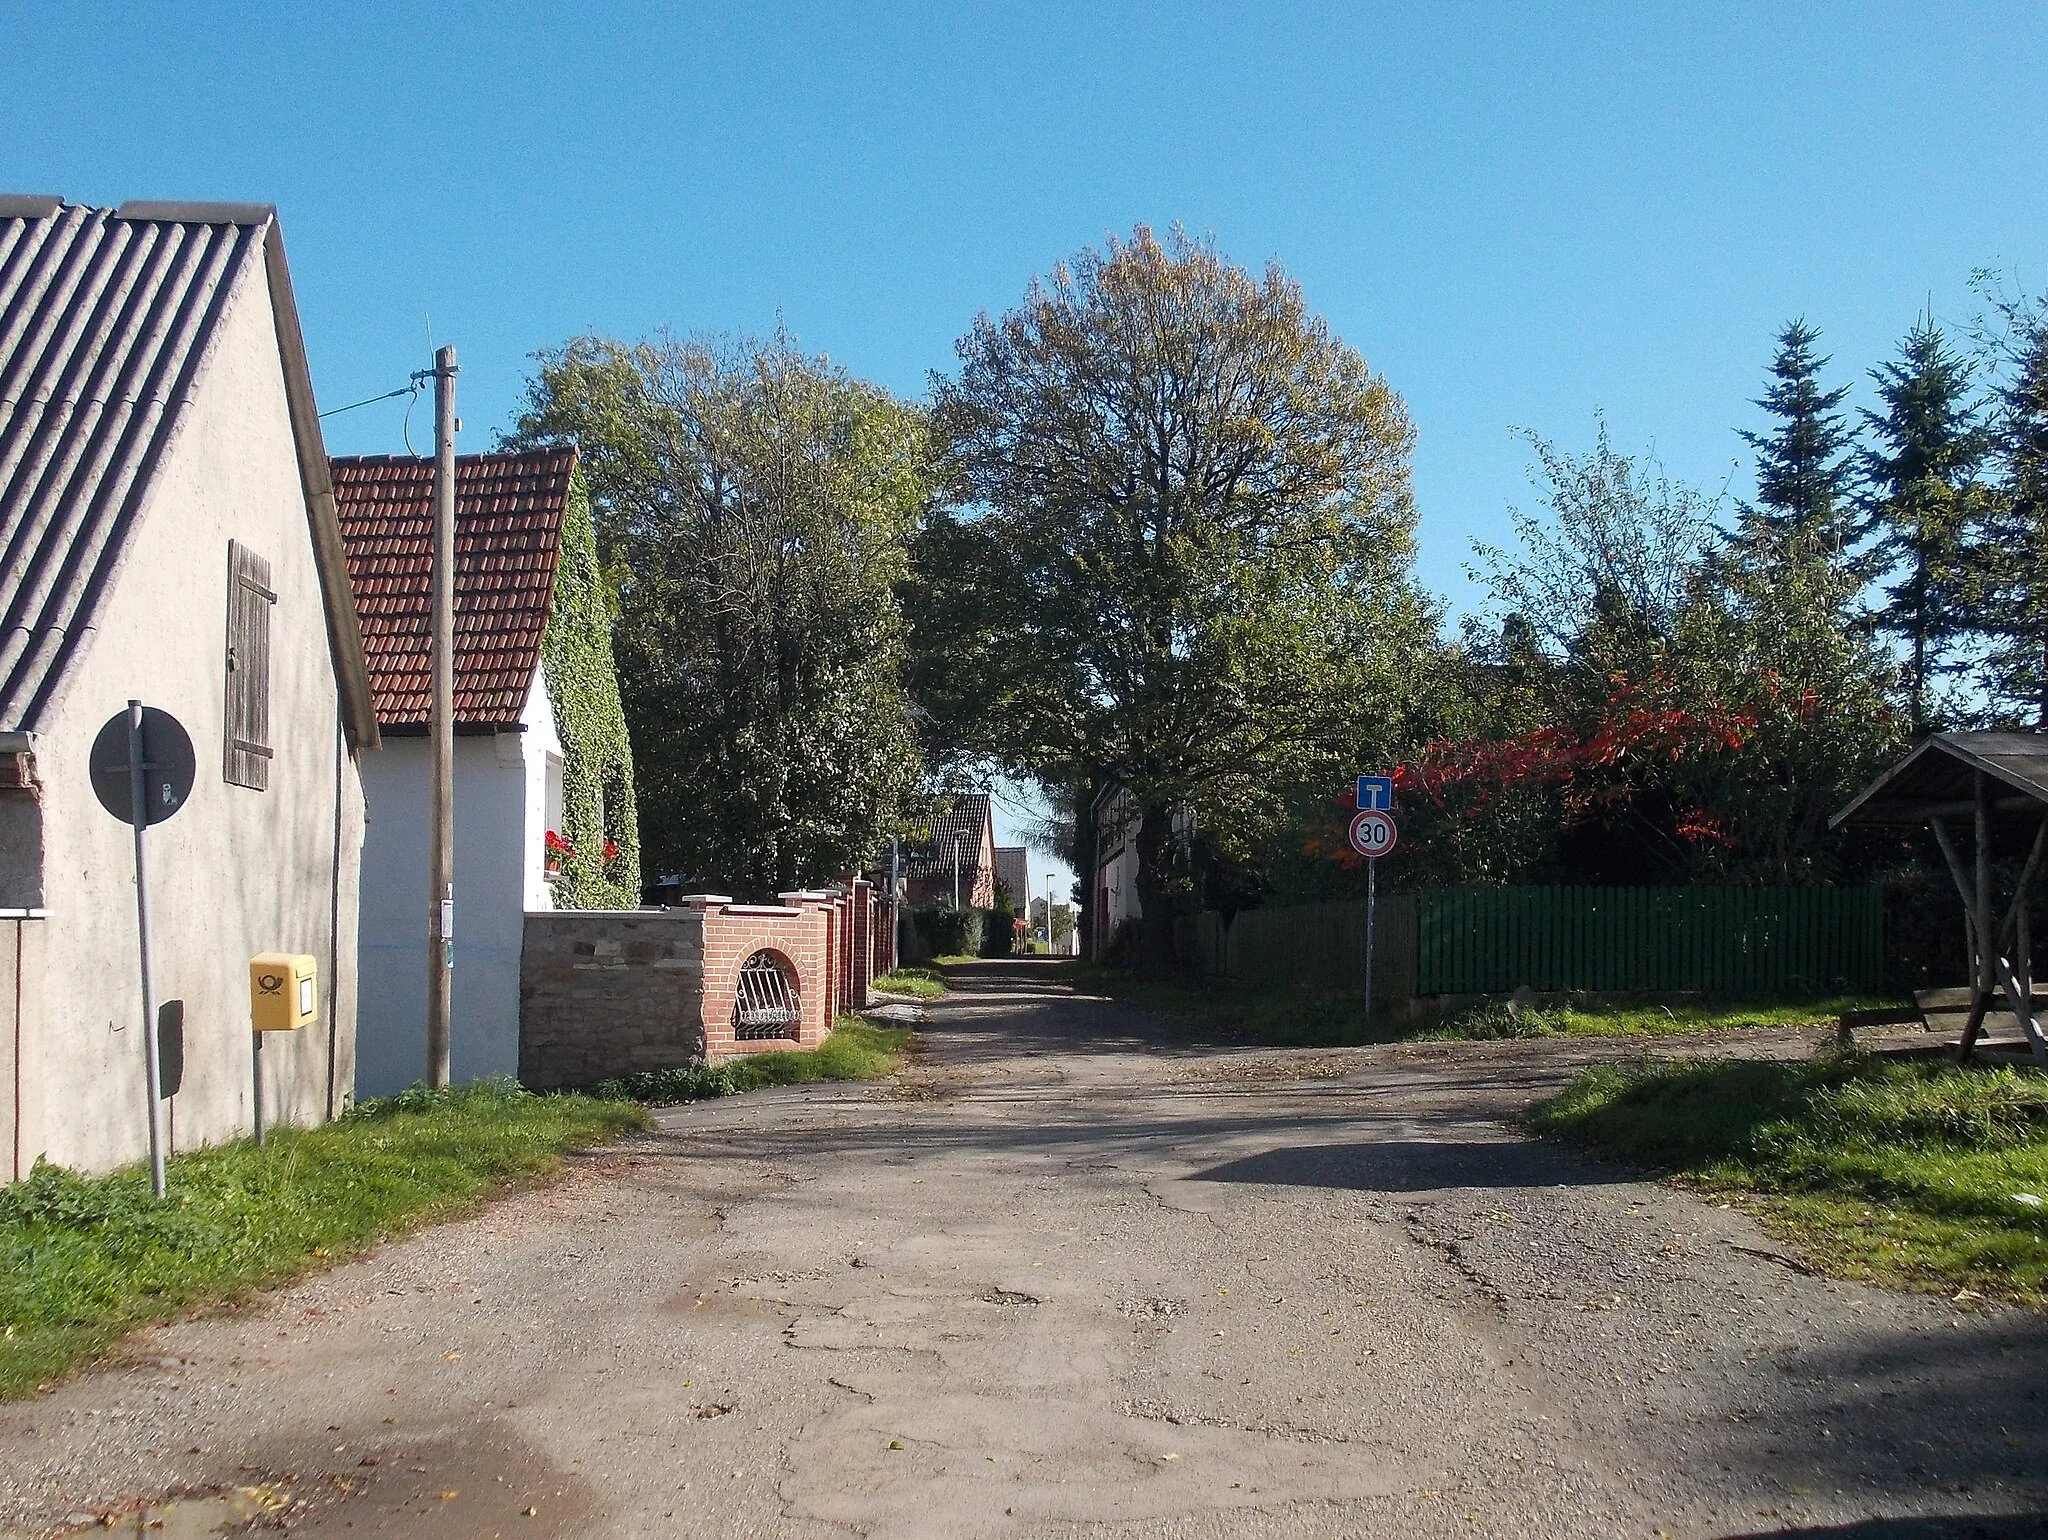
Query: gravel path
[1071,1275]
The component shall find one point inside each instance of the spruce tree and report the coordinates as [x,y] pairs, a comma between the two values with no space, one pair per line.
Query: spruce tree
[1921,501]
[2012,559]
[1805,463]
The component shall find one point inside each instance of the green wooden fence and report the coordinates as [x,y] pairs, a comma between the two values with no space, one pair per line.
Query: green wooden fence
[1309,946]
[1474,941]
[1725,940]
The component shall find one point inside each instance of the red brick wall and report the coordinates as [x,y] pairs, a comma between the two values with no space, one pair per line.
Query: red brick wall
[611,994]
[885,938]
[800,934]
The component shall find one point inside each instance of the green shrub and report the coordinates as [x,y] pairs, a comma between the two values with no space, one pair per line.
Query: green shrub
[998,932]
[948,932]
[856,1050]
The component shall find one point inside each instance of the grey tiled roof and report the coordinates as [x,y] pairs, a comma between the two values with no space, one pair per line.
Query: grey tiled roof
[965,821]
[1013,871]
[107,320]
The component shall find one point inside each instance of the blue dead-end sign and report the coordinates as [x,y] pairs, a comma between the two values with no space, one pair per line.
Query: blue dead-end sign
[1375,794]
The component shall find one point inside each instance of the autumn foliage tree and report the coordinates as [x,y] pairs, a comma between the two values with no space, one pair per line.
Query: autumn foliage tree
[1657,707]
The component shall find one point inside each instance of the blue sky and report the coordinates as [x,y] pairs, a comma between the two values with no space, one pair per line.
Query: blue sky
[1521,215]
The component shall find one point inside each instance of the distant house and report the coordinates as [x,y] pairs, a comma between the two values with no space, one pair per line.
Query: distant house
[1116,907]
[1013,871]
[544,811]
[1115,890]
[167,533]
[963,857]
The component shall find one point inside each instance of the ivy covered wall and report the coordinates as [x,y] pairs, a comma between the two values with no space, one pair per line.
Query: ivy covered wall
[600,826]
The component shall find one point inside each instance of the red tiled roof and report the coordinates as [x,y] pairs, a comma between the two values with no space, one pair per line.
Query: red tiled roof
[508,532]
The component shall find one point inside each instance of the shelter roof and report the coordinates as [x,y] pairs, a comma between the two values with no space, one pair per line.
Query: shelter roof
[108,318]
[508,536]
[1938,779]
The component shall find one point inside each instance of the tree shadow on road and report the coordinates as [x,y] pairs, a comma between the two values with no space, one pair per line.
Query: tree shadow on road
[1412,1165]
[1934,1527]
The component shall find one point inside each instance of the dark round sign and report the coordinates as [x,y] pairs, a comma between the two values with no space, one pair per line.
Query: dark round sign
[167,766]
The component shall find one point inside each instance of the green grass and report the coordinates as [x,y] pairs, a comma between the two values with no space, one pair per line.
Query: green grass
[856,1050]
[919,983]
[1915,1174]
[1290,1018]
[82,1261]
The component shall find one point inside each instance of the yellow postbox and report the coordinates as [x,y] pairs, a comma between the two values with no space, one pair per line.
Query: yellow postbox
[284,992]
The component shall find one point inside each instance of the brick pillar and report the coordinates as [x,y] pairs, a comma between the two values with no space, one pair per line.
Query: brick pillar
[844,904]
[818,907]
[715,993]
[863,943]
[842,951]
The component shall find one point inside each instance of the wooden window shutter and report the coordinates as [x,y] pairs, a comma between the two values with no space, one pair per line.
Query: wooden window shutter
[248,691]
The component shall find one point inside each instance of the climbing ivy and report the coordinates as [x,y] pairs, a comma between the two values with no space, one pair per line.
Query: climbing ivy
[597,760]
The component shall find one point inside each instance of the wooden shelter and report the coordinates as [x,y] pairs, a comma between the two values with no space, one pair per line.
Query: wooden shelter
[1998,782]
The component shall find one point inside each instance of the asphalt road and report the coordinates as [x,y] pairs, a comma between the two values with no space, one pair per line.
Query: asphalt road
[1072,1275]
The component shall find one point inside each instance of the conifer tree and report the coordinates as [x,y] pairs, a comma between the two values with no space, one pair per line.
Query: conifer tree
[1921,502]
[1805,463]
[2012,559]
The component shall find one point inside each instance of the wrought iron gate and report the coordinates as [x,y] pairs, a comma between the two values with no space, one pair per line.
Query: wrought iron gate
[765,1003]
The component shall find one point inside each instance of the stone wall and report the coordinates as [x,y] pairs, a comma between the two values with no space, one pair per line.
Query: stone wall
[605,993]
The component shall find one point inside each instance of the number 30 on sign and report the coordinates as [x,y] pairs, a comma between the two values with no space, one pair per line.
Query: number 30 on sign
[1373,834]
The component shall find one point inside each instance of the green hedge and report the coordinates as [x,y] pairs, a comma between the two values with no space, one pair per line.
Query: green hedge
[998,934]
[949,932]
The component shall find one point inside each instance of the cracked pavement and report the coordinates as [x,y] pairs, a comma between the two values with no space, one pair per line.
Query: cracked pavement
[1074,1274]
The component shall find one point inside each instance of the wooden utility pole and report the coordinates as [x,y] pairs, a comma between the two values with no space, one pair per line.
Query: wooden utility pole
[441,731]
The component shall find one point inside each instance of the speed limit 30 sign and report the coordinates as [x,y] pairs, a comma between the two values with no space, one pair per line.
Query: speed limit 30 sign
[1373,834]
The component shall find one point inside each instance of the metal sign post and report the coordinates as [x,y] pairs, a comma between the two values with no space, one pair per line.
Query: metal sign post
[1372,835]
[142,770]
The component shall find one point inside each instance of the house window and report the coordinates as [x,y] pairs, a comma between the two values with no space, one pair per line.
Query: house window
[551,794]
[247,717]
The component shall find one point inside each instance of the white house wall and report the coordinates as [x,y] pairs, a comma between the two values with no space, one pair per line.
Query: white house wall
[235,872]
[538,744]
[500,785]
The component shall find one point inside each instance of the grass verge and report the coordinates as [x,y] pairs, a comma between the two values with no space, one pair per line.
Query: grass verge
[918,983]
[856,1050]
[1912,1174]
[1304,1019]
[83,1260]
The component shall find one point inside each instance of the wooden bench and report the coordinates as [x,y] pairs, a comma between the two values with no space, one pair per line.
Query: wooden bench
[1947,1010]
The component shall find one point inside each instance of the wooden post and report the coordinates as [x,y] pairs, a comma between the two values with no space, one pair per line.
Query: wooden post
[1982,984]
[441,731]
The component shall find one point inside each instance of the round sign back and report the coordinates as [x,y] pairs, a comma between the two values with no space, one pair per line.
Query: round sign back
[168,766]
[1373,834]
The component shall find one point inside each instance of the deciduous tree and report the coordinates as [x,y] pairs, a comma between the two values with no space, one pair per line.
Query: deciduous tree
[1181,547]
[754,504]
